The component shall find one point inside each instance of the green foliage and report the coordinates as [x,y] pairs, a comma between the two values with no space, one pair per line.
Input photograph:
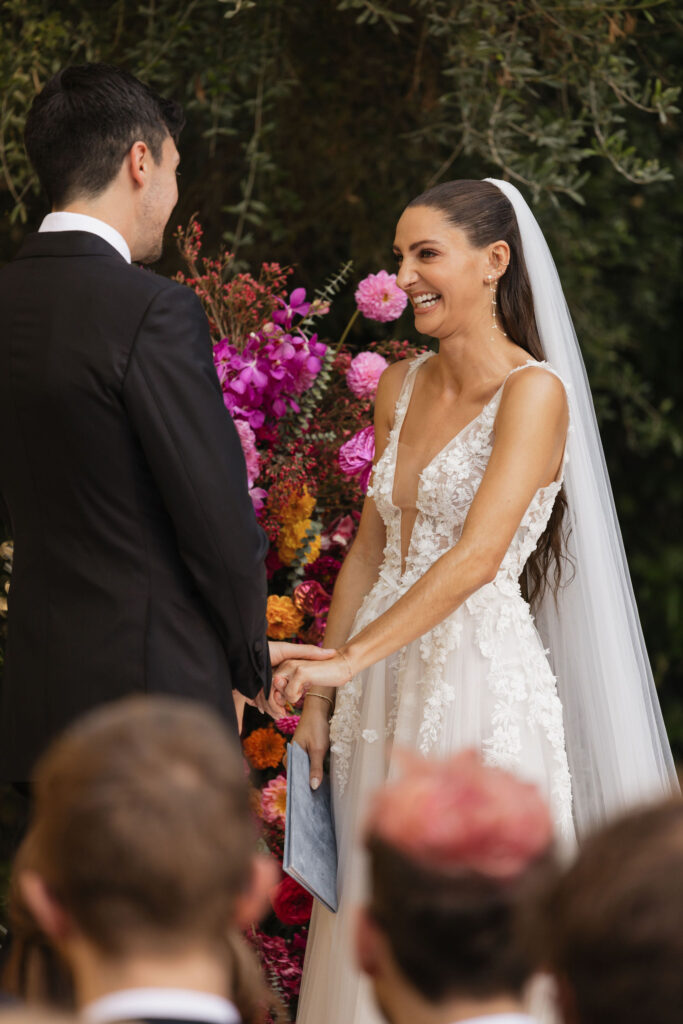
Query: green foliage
[308,132]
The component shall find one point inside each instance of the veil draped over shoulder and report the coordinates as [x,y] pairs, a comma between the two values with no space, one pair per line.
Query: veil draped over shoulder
[618,751]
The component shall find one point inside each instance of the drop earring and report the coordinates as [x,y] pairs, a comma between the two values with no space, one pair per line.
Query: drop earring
[493,288]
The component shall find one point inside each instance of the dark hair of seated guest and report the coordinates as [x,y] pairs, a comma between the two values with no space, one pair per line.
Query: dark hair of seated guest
[458,934]
[612,927]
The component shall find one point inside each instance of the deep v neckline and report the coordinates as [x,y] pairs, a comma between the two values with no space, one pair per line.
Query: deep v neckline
[407,398]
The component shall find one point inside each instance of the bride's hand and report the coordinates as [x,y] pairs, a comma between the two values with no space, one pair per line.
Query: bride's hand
[313,735]
[293,679]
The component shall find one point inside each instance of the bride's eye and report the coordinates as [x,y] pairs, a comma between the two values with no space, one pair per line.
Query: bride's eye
[398,258]
[427,254]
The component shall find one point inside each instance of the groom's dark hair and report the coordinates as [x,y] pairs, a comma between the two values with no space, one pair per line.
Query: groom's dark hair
[83,123]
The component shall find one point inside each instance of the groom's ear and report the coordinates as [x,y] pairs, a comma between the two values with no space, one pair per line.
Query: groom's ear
[138,163]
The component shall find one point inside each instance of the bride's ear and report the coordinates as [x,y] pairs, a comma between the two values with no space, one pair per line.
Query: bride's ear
[497,259]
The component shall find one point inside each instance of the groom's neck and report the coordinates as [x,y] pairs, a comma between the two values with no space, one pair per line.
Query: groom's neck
[108,208]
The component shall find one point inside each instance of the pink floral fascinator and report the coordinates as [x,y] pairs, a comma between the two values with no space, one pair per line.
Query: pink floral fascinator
[461,815]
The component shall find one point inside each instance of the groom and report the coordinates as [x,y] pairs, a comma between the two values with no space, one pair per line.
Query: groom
[138,563]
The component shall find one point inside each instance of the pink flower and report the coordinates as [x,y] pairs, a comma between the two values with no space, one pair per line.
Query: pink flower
[274,800]
[461,814]
[364,373]
[251,456]
[356,455]
[341,532]
[287,724]
[378,297]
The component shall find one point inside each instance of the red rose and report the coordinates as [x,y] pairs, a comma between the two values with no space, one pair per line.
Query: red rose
[291,903]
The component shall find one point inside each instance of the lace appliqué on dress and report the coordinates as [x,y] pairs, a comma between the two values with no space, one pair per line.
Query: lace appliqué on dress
[523,686]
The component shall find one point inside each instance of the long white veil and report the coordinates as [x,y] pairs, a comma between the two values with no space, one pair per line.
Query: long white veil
[618,751]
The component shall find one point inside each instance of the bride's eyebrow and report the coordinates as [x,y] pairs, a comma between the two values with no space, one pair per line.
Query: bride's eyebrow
[425,241]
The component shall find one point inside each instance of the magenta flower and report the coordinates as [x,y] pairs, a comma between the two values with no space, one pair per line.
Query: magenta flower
[262,382]
[378,297]
[297,306]
[356,455]
[287,724]
[364,373]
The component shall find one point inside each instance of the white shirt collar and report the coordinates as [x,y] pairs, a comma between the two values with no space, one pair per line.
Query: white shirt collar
[501,1018]
[168,1003]
[64,220]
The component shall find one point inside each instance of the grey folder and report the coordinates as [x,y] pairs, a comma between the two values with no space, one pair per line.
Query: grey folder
[310,853]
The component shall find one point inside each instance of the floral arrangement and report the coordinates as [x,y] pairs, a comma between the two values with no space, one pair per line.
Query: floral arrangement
[297,402]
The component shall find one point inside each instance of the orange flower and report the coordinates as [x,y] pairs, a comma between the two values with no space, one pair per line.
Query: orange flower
[284,618]
[298,508]
[264,748]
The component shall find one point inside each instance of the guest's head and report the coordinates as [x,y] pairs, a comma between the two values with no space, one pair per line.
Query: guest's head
[613,923]
[103,143]
[456,850]
[142,846]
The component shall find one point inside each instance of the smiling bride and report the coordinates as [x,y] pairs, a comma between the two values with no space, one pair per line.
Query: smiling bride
[486,601]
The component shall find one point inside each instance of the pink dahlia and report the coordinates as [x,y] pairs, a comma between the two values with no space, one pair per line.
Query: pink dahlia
[378,297]
[356,455]
[274,800]
[364,373]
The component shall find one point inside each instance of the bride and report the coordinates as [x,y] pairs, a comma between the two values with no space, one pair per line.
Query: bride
[486,600]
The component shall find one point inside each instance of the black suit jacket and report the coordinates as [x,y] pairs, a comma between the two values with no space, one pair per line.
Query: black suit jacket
[138,561]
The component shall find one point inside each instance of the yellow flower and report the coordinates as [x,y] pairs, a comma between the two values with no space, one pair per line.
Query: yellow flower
[298,508]
[284,618]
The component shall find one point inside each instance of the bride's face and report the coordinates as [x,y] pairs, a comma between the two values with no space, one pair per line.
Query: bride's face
[444,276]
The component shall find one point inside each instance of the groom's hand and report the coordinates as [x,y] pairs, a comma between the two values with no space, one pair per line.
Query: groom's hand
[281,651]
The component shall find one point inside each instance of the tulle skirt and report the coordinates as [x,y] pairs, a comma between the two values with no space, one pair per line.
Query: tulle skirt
[493,690]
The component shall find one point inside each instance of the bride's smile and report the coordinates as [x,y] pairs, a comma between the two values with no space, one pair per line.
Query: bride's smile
[445,276]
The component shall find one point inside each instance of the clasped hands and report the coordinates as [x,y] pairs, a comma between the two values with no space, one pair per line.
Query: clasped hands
[296,668]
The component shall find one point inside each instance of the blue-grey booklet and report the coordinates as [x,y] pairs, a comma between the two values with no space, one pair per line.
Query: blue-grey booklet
[310,853]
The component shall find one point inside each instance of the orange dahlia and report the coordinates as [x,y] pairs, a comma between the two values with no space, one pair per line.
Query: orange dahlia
[298,508]
[284,618]
[264,748]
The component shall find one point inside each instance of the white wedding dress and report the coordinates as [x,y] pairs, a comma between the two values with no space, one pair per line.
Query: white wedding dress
[480,679]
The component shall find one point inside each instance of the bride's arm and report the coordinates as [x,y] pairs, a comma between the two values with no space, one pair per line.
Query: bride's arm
[356,577]
[531,429]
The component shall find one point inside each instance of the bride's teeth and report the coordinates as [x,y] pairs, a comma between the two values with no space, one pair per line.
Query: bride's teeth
[425,301]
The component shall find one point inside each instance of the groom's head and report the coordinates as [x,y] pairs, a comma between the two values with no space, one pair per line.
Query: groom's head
[101,140]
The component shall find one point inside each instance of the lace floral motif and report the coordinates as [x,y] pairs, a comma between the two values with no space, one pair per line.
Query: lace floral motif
[522,685]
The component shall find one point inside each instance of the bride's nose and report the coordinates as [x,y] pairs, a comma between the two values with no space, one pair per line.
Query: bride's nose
[405,276]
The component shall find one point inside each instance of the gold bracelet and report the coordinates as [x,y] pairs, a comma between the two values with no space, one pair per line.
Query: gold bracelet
[347,663]
[311,693]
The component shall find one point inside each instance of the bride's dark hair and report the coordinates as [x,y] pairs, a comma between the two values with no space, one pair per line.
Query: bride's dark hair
[486,215]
